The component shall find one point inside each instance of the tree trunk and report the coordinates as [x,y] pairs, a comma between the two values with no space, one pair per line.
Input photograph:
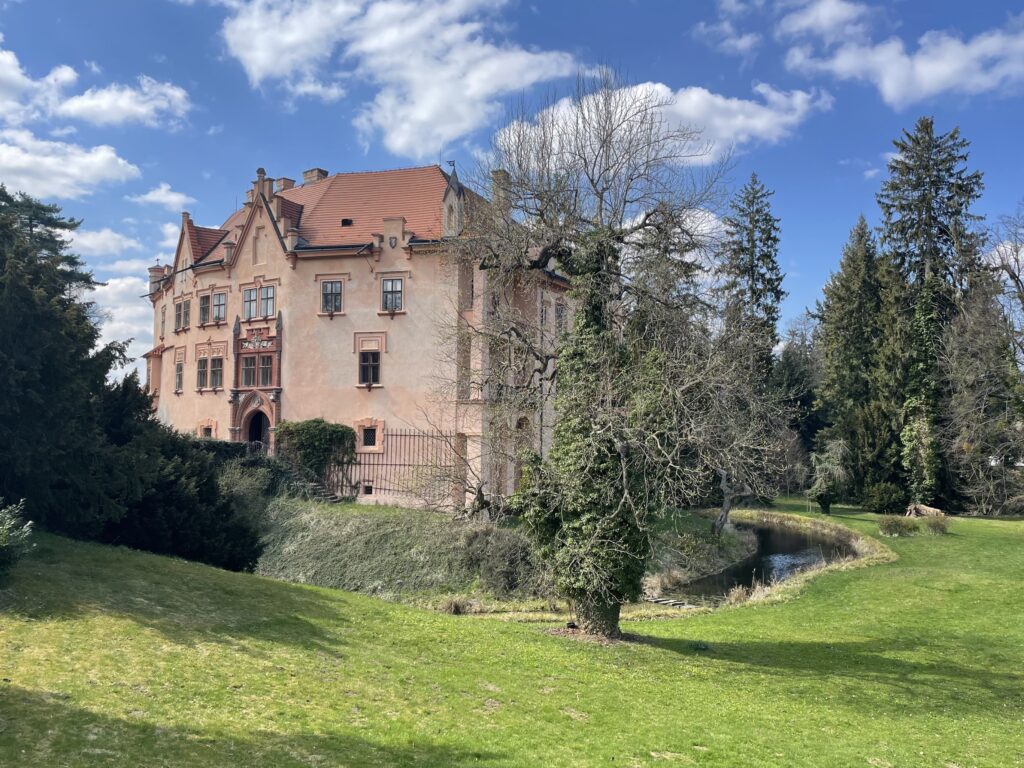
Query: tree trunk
[723,514]
[598,617]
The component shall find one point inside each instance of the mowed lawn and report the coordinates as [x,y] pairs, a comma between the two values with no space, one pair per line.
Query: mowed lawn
[114,658]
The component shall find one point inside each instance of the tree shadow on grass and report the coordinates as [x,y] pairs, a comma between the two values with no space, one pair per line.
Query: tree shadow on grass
[187,604]
[38,728]
[938,684]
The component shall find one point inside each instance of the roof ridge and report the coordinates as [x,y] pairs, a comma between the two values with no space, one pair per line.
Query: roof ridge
[383,170]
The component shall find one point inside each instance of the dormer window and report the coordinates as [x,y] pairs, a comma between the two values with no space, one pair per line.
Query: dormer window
[347,222]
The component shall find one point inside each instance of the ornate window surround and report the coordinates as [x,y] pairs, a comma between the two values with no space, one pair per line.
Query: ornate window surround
[257,282]
[210,290]
[208,350]
[369,341]
[319,279]
[405,276]
[371,423]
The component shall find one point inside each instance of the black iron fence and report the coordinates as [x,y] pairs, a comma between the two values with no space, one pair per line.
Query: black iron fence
[410,462]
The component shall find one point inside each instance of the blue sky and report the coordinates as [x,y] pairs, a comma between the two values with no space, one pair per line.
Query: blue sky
[126,112]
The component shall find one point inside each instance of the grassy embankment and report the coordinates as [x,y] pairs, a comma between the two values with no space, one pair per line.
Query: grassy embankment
[115,658]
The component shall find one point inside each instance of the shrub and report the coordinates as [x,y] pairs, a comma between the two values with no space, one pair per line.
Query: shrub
[316,445]
[824,498]
[898,526]
[250,485]
[15,534]
[937,525]
[885,499]
[456,606]
[178,508]
[503,559]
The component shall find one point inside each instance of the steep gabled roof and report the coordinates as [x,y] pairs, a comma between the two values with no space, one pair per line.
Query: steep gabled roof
[367,199]
[202,240]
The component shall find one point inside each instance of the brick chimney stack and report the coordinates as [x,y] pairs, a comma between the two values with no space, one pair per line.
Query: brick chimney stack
[313,175]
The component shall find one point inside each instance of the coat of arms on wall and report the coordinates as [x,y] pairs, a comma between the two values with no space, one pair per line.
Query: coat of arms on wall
[392,241]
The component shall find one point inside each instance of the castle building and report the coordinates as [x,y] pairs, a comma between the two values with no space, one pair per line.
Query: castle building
[330,299]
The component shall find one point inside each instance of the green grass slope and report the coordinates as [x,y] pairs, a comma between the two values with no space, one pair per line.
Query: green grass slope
[115,658]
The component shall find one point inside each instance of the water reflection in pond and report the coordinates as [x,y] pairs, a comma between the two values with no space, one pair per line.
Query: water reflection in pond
[780,554]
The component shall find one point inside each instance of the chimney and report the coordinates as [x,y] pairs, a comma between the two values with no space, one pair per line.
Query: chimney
[313,175]
[500,183]
[284,183]
[184,218]
[229,251]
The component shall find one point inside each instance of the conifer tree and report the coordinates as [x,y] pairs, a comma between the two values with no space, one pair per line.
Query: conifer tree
[753,285]
[848,335]
[927,234]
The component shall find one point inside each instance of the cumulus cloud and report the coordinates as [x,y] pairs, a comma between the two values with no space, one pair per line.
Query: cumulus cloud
[151,103]
[24,99]
[170,233]
[733,122]
[103,242]
[162,194]
[724,122]
[125,314]
[57,169]
[830,20]
[941,63]
[725,37]
[126,266]
[437,66]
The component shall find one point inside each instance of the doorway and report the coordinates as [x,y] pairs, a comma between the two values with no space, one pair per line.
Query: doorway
[259,428]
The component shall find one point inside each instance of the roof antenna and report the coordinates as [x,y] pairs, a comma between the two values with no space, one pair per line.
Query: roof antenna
[451,163]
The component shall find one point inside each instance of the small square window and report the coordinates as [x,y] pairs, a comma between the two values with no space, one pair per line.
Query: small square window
[207,431]
[369,437]
[330,296]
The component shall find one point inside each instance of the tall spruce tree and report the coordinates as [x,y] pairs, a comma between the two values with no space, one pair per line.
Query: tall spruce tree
[928,235]
[753,285]
[848,335]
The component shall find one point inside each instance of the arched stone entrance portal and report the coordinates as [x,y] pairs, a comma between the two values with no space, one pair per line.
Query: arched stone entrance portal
[258,430]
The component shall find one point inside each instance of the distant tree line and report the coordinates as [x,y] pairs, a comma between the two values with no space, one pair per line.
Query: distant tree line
[84,452]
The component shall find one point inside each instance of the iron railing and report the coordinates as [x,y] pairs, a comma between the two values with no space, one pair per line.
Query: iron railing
[410,462]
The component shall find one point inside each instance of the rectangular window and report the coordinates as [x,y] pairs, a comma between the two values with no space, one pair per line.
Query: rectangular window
[249,371]
[177,316]
[204,310]
[217,372]
[369,367]
[330,296]
[220,307]
[267,300]
[391,294]
[543,314]
[266,371]
[249,303]
[369,437]
[207,431]
[560,317]
[179,376]
[163,321]
[186,311]
[202,372]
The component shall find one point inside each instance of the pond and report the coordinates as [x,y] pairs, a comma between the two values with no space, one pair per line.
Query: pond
[780,554]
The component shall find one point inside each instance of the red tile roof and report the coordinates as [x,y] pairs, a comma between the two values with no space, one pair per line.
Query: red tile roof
[203,239]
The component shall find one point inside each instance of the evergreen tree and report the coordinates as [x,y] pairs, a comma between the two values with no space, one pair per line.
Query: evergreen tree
[753,280]
[848,336]
[928,237]
[795,378]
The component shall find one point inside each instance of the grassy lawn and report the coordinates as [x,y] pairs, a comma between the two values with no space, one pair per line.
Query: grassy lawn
[114,658]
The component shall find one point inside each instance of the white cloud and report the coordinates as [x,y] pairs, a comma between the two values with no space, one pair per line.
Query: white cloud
[93,67]
[126,314]
[63,131]
[942,63]
[830,20]
[151,103]
[57,169]
[438,69]
[126,266]
[870,173]
[103,242]
[724,122]
[724,36]
[170,233]
[162,194]
[24,99]
[732,122]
